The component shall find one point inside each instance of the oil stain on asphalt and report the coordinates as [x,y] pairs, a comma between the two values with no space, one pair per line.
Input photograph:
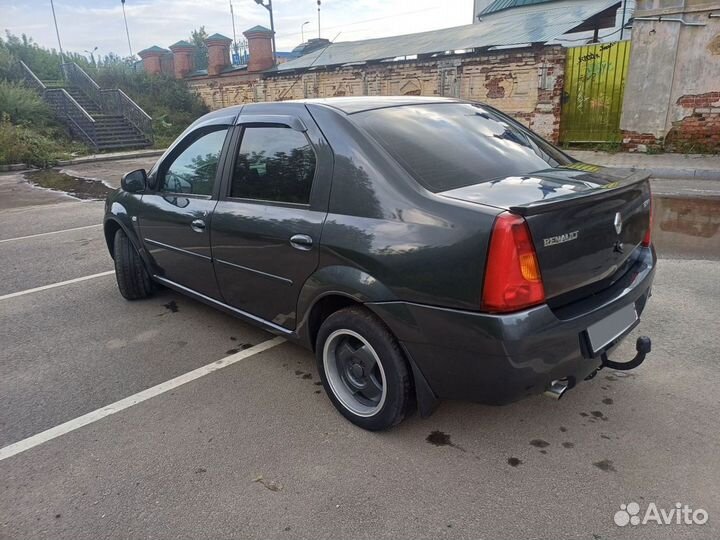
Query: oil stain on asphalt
[438,438]
[539,443]
[172,306]
[514,462]
[239,348]
[605,465]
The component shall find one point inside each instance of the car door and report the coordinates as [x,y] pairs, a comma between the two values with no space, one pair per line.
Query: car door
[267,223]
[177,211]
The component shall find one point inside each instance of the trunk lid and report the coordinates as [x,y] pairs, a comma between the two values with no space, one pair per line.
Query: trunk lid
[586,222]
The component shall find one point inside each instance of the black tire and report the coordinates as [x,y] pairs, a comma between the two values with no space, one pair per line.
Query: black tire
[396,402]
[132,278]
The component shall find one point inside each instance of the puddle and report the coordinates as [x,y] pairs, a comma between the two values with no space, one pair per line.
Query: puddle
[81,188]
[687,228]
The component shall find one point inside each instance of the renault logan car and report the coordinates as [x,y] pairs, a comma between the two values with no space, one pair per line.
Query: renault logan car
[423,248]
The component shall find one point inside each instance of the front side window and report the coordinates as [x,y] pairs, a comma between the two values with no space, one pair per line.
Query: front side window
[274,164]
[193,170]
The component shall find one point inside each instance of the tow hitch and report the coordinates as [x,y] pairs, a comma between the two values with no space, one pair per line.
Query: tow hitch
[642,346]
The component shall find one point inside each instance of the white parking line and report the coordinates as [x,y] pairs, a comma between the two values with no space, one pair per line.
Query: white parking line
[51,232]
[99,414]
[54,285]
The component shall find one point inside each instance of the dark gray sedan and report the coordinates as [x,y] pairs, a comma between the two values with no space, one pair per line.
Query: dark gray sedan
[424,248]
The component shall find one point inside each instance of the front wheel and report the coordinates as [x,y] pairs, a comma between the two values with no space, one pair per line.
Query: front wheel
[132,278]
[363,369]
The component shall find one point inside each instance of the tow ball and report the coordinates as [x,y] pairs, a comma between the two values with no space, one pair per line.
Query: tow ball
[642,346]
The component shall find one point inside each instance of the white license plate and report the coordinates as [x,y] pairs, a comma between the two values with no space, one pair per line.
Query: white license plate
[606,330]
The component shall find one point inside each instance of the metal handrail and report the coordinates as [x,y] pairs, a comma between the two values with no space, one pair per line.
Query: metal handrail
[132,102]
[30,75]
[78,77]
[118,102]
[66,106]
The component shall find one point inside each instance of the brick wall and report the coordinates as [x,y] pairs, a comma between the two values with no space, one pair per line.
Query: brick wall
[699,131]
[525,83]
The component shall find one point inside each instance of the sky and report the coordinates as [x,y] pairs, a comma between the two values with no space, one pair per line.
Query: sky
[86,24]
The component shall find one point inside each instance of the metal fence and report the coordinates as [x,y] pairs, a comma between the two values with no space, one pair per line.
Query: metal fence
[592,98]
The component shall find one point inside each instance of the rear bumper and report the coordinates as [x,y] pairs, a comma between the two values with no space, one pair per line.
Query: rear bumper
[497,359]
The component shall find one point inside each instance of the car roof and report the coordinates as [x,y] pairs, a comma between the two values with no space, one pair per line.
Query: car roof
[347,105]
[356,104]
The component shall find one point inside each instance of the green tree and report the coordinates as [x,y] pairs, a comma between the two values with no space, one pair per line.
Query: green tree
[197,38]
[44,62]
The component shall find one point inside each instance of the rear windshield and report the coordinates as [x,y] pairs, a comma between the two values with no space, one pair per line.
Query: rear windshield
[450,145]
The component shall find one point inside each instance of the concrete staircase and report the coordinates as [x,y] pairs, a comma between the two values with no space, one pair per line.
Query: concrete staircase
[112,131]
[103,119]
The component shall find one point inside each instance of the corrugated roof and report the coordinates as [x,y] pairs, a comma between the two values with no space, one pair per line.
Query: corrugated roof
[499,5]
[537,23]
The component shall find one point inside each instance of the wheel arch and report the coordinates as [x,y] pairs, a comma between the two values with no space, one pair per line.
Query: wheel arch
[114,223]
[331,288]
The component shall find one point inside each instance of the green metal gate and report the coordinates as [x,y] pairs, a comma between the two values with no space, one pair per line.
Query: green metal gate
[593,94]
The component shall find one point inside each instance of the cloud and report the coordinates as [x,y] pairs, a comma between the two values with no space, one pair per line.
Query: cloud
[85,24]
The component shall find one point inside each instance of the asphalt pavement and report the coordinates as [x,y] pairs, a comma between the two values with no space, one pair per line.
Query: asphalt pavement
[256,450]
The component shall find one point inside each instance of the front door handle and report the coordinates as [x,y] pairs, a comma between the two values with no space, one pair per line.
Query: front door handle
[301,241]
[198,225]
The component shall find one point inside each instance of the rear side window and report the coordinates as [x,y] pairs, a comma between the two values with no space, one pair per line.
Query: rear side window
[451,145]
[193,170]
[274,164]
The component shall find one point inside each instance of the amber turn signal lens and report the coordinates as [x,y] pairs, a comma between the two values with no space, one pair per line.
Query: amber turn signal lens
[512,273]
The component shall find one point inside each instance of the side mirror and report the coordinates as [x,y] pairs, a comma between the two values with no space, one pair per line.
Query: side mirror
[134,181]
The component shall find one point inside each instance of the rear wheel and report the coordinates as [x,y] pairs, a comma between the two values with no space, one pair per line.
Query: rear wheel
[363,369]
[132,278]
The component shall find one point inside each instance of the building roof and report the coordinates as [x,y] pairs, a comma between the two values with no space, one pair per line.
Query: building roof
[499,5]
[154,49]
[534,23]
[258,28]
[181,43]
[218,37]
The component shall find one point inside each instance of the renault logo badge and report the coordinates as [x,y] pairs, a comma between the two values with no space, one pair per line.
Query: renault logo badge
[618,223]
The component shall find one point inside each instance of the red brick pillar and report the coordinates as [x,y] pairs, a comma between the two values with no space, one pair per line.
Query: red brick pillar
[151,59]
[183,58]
[260,48]
[218,53]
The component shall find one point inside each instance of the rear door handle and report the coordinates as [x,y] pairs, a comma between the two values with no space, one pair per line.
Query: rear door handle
[301,241]
[198,225]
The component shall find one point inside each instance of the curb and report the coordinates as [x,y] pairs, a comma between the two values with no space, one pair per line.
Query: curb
[86,159]
[685,174]
[110,157]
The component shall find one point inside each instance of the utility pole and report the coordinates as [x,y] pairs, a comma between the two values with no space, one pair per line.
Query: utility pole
[302,31]
[57,32]
[268,6]
[232,16]
[127,32]
[236,47]
[318,2]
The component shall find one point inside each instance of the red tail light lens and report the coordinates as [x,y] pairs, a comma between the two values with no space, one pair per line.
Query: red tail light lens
[648,234]
[512,273]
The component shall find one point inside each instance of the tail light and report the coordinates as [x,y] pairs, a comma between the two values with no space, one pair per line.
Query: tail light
[648,234]
[512,273]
